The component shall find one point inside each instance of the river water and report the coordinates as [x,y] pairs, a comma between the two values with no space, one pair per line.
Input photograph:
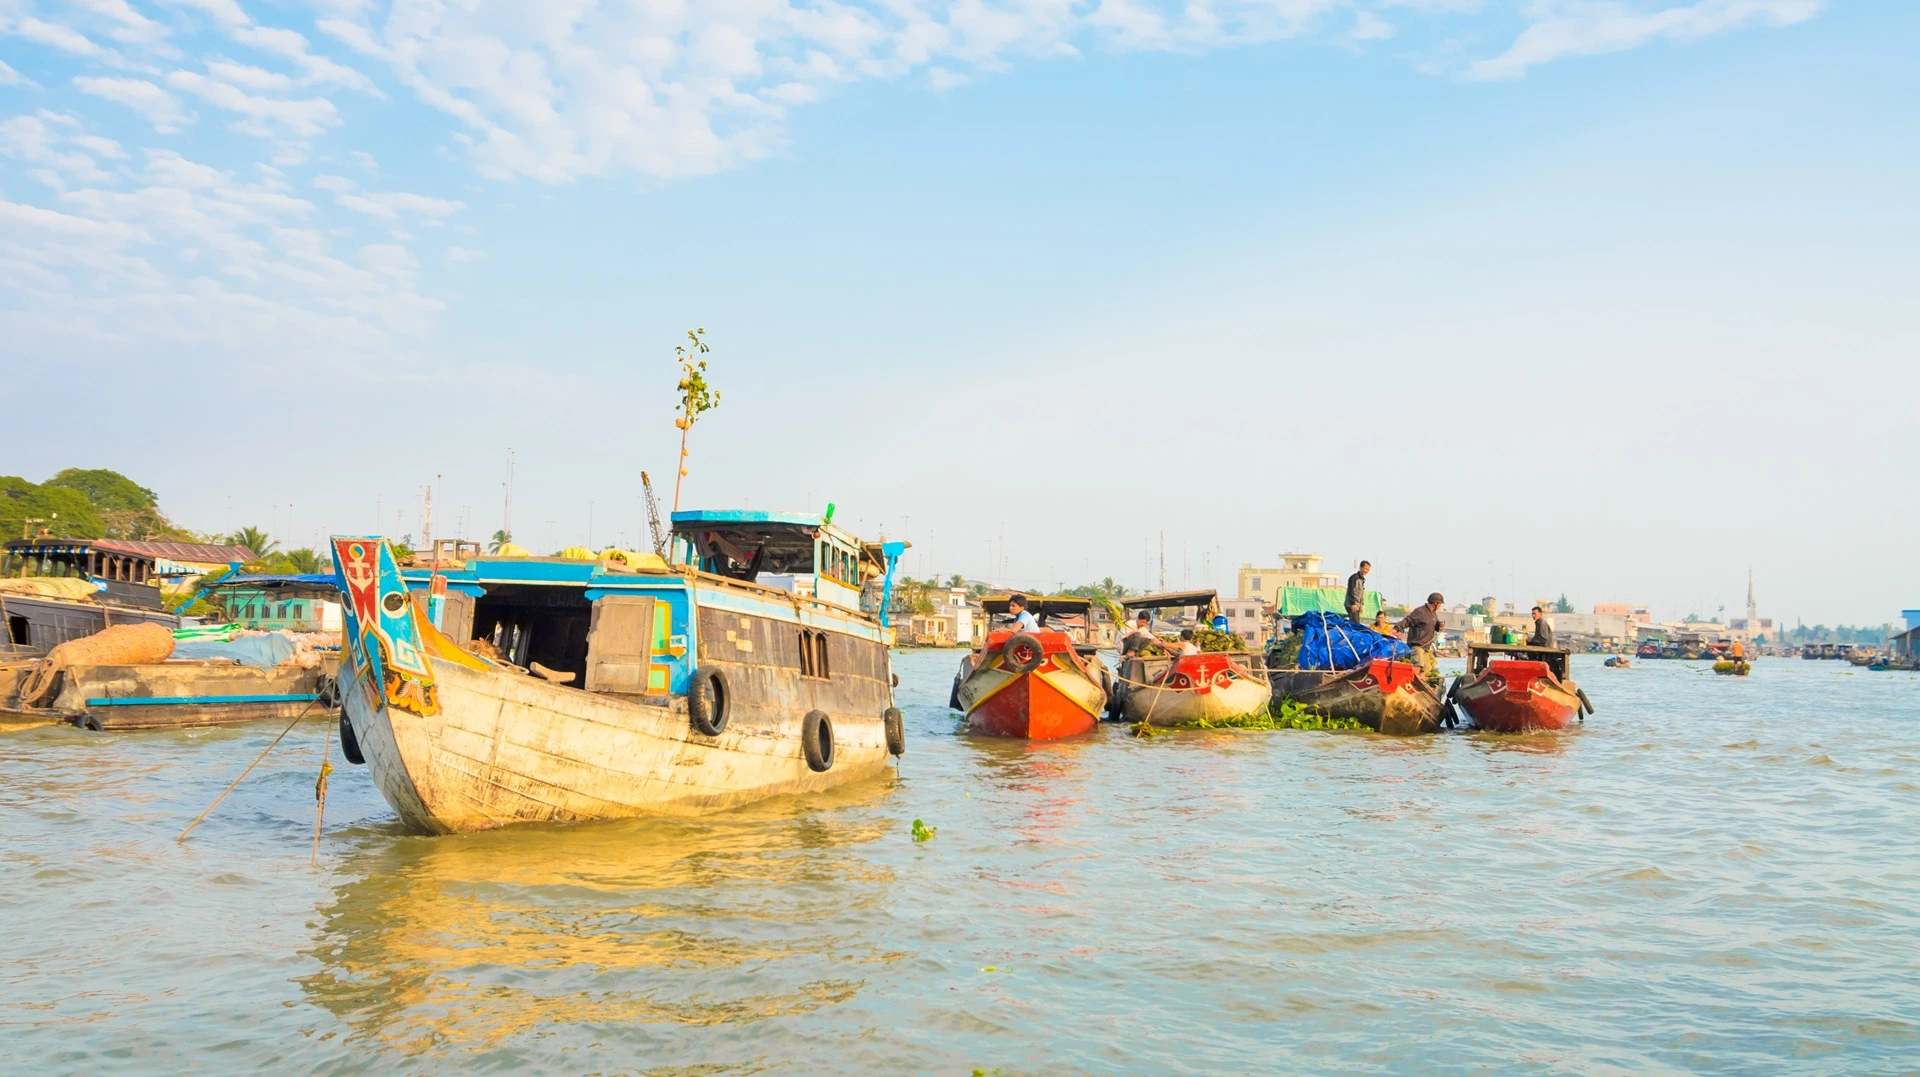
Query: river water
[1713,876]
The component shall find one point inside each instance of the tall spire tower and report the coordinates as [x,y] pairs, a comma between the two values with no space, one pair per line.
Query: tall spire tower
[1753,617]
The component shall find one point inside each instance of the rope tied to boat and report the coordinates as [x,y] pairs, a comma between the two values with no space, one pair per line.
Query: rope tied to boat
[243,774]
[320,791]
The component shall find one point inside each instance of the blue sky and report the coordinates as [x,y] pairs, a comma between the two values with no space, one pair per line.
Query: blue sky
[1611,298]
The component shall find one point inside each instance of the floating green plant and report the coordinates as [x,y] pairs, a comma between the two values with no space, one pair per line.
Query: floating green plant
[923,832]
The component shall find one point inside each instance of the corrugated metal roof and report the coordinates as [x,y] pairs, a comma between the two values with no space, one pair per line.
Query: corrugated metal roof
[197,552]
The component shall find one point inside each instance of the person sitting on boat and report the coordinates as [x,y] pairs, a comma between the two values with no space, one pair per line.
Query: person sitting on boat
[1381,625]
[1186,645]
[1023,618]
[1542,631]
[1357,592]
[1422,627]
[1140,638]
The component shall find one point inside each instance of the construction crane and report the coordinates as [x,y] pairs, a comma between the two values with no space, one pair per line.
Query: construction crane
[653,518]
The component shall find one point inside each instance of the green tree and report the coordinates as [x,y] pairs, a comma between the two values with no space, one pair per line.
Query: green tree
[64,512]
[500,538]
[956,580]
[305,561]
[1563,606]
[696,397]
[1478,609]
[107,491]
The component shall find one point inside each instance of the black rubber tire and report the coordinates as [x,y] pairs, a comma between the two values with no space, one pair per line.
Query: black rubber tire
[816,740]
[327,692]
[350,744]
[708,702]
[1023,641]
[88,721]
[1584,701]
[896,726]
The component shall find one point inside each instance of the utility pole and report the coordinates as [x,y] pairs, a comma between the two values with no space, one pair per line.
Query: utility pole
[1163,562]
[506,509]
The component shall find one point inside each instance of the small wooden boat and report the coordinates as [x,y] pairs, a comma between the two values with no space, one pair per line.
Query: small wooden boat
[1035,685]
[1384,695]
[619,686]
[1509,688]
[1617,662]
[1733,668]
[1197,689]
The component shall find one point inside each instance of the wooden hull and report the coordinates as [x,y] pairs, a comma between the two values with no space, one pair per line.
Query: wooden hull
[1396,700]
[506,748]
[1512,707]
[181,695]
[1045,704]
[1180,707]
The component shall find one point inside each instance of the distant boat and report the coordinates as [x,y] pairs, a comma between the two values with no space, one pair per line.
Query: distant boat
[1035,685]
[1515,689]
[620,686]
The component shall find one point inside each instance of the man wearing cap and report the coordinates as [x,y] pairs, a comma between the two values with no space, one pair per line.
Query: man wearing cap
[1422,627]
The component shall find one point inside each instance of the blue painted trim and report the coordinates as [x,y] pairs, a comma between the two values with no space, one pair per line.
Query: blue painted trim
[176,701]
[748,516]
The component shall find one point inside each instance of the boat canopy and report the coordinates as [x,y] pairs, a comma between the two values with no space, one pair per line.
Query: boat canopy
[745,543]
[318,582]
[1170,600]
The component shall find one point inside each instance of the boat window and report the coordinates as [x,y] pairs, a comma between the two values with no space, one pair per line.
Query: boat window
[528,623]
[17,630]
[813,654]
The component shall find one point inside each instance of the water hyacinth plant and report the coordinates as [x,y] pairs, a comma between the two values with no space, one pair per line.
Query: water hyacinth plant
[696,396]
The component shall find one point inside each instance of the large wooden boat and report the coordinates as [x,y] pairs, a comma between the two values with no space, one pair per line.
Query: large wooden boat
[1388,696]
[1037,685]
[1509,688]
[742,669]
[56,590]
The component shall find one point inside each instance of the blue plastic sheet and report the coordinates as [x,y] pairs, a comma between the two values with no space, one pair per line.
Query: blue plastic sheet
[1330,641]
[262,652]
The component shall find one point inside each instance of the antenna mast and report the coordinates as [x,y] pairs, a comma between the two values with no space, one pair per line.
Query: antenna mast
[653,518]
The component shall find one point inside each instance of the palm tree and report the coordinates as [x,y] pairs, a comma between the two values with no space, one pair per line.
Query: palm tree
[254,539]
[500,538]
[305,561]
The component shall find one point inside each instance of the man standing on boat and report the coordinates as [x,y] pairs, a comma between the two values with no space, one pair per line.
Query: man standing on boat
[1357,593]
[1542,631]
[1422,627]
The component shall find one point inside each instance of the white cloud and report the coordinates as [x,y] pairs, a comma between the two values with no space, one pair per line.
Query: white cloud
[1370,27]
[224,12]
[157,105]
[457,255]
[64,38]
[1559,28]
[10,77]
[365,160]
[390,206]
[301,116]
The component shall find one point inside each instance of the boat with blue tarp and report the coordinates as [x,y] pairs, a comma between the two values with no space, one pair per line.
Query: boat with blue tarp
[485,690]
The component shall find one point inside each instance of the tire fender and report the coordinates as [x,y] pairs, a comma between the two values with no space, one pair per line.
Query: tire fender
[1584,701]
[896,727]
[709,702]
[350,744]
[816,740]
[1023,641]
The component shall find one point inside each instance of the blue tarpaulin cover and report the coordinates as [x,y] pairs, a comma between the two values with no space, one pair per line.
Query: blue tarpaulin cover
[262,652]
[1330,641]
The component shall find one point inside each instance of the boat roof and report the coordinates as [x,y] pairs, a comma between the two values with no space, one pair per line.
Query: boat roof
[1169,600]
[1051,605]
[285,581]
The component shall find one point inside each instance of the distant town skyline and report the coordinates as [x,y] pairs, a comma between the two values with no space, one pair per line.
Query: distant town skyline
[1510,297]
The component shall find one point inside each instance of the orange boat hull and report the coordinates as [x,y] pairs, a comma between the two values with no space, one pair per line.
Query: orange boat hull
[1032,708]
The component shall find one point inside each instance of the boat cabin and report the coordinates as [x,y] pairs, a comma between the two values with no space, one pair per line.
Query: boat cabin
[1056,613]
[1479,654]
[801,552]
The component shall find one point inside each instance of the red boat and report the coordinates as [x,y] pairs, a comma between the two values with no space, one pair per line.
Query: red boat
[1033,684]
[1516,689]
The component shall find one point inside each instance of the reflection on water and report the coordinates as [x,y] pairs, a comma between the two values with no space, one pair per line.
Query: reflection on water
[460,943]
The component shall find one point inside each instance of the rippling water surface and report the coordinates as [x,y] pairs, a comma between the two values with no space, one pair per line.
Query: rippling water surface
[1715,875]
